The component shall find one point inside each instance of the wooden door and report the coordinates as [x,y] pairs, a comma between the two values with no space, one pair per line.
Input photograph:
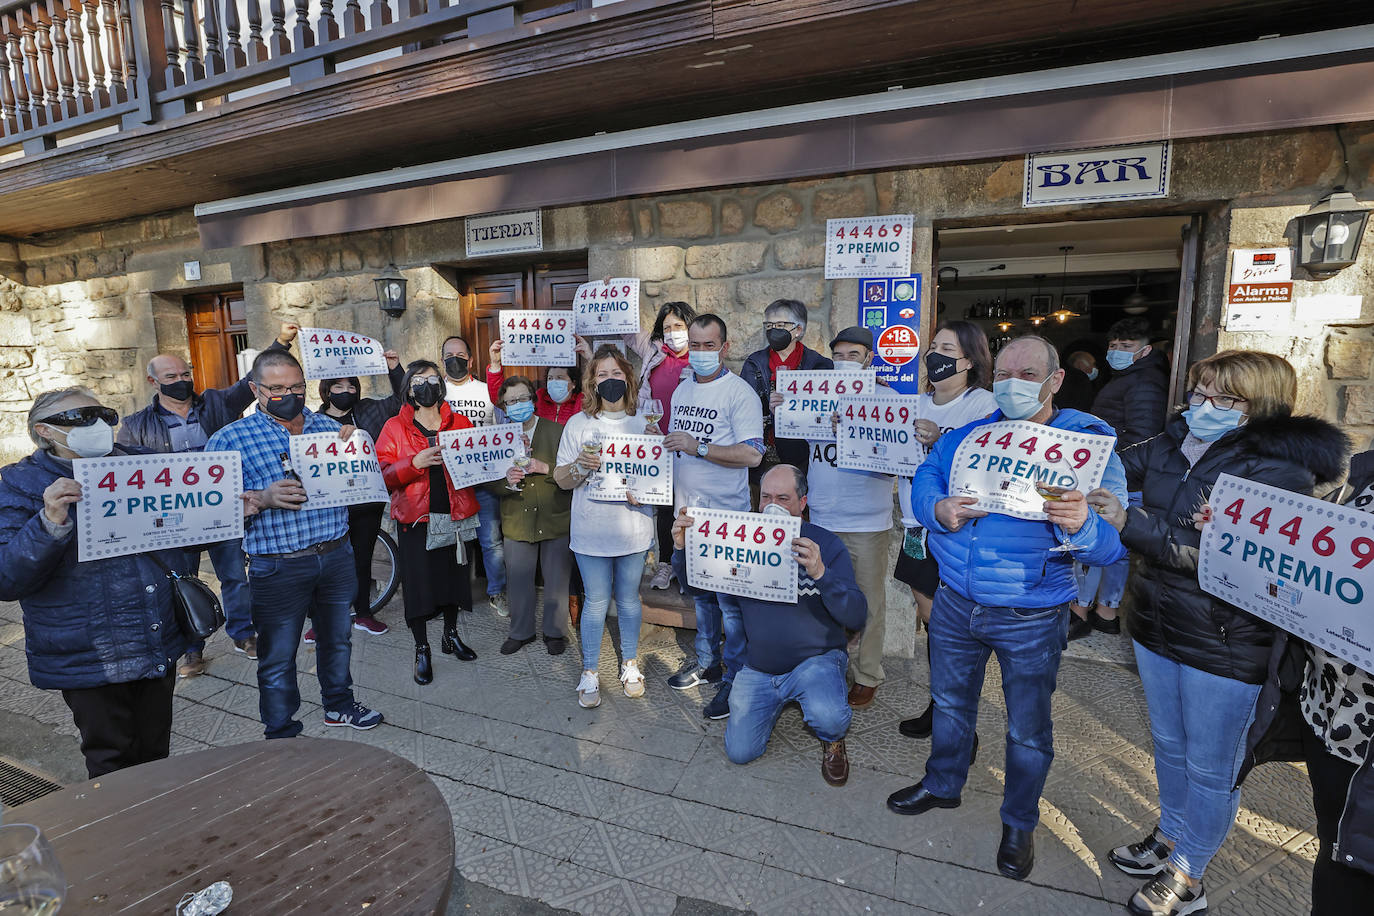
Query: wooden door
[218,331]
[485,295]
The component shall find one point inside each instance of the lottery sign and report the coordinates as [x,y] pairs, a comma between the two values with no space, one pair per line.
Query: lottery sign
[480,454]
[810,397]
[336,472]
[868,246]
[637,465]
[327,353]
[743,553]
[1300,563]
[133,503]
[877,432]
[1012,466]
[537,338]
[607,307]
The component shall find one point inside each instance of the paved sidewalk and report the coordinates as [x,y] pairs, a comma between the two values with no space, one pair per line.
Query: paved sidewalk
[633,808]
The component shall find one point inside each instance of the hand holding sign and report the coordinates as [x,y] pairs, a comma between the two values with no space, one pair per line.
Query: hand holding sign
[58,499]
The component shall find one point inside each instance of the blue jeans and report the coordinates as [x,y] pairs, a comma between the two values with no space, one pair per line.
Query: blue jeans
[719,615]
[489,536]
[228,559]
[756,700]
[603,577]
[1198,722]
[1106,584]
[284,592]
[1028,643]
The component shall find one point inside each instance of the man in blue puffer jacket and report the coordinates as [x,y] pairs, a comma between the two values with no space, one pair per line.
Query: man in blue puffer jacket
[104,632]
[1004,590]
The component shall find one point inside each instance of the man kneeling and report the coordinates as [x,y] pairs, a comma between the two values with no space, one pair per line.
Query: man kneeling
[794,651]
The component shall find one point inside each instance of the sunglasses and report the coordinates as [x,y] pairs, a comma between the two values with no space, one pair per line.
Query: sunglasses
[83,416]
[426,380]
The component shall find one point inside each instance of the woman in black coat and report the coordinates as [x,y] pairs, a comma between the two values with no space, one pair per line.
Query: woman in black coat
[1202,661]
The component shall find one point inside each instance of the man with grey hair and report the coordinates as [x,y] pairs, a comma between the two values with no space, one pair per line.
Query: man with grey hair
[1004,588]
[180,420]
[784,324]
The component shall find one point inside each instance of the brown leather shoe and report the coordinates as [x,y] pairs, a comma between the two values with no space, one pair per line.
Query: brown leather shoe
[834,762]
[860,695]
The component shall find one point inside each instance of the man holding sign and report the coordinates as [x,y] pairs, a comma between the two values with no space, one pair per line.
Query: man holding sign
[1006,583]
[795,652]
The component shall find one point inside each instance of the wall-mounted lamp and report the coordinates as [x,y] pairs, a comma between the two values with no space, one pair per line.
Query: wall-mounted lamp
[1329,234]
[391,292]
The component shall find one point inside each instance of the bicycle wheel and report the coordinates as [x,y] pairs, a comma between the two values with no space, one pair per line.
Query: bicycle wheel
[386,572]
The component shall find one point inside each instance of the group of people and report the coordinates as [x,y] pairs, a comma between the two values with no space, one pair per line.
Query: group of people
[1225,689]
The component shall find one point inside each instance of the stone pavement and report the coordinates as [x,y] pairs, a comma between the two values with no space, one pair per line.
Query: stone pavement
[633,808]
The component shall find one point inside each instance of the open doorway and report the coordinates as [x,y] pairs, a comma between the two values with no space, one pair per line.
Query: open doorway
[1071,281]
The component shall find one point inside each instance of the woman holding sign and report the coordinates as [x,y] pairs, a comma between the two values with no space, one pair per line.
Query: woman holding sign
[426,507]
[609,539]
[1202,661]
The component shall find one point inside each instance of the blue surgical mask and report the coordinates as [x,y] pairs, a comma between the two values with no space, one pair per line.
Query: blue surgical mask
[521,411]
[1018,398]
[704,362]
[558,389]
[1120,359]
[1092,376]
[1209,423]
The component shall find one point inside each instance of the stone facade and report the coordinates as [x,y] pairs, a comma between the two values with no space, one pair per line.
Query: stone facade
[91,307]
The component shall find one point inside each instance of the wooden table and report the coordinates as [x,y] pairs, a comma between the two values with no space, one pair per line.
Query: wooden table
[301,825]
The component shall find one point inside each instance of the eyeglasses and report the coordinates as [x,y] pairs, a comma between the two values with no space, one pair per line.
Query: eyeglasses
[276,391]
[83,416]
[512,402]
[780,325]
[1219,401]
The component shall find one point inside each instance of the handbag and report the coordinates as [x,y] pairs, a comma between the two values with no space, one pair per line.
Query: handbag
[199,613]
[443,532]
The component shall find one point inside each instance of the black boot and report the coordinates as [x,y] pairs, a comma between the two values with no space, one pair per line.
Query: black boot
[919,727]
[424,670]
[452,645]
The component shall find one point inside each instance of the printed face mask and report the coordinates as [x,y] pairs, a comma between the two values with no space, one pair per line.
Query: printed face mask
[940,367]
[285,406]
[1018,398]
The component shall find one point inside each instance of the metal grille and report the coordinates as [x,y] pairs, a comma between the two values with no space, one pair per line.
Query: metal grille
[19,785]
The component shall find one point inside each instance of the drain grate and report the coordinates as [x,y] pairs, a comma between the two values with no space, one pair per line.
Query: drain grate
[19,785]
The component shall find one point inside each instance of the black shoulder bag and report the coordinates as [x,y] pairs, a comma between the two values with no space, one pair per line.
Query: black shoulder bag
[199,613]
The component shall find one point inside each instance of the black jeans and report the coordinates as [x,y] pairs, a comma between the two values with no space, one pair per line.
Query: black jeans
[364,522]
[1337,890]
[123,725]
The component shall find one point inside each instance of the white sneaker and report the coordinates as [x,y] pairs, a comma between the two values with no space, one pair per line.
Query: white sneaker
[589,690]
[632,679]
[663,576]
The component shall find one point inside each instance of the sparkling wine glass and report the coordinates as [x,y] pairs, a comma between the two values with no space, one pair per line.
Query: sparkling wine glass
[522,462]
[31,881]
[1055,489]
[652,411]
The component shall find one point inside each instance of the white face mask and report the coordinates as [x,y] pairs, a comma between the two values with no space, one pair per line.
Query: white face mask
[776,509]
[94,441]
[676,340]
[848,364]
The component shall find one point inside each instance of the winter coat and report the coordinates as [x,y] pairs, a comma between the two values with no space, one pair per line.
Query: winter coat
[1000,561]
[1077,391]
[1135,402]
[1174,617]
[215,407]
[106,621]
[371,414]
[755,371]
[397,447]
[544,406]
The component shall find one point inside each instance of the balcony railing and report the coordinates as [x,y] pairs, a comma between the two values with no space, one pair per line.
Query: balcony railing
[70,68]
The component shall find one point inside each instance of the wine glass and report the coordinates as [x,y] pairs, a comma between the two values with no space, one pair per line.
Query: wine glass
[652,410]
[31,881]
[522,462]
[1054,490]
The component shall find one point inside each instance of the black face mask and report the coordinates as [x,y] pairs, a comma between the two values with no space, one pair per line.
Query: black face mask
[425,395]
[940,367]
[180,391]
[778,339]
[285,407]
[343,400]
[611,389]
[456,366]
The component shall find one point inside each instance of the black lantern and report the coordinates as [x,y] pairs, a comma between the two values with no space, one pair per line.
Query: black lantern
[391,292]
[1329,234]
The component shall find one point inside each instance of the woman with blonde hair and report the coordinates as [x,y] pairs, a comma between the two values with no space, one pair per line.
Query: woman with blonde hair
[1202,661]
[609,538]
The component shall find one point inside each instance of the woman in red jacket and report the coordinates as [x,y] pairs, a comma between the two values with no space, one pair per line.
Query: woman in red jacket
[432,580]
[560,398]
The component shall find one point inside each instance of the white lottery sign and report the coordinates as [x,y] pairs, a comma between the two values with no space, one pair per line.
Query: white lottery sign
[327,353]
[810,397]
[638,465]
[133,503]
[877,432]
[607,307]
[480,454]
[1297,562]
[537,338]
[743,553]
[868,246]
[1001,463]
[337,473]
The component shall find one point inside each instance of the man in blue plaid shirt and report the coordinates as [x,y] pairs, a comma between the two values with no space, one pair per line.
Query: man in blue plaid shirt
[299,559]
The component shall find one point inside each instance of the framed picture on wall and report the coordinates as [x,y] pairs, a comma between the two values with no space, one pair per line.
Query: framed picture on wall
[1075,302]
[1041,304]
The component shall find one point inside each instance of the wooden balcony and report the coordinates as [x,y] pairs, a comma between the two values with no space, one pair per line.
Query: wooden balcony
[115,108]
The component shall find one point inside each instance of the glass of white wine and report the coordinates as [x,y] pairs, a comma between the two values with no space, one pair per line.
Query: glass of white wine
[522,462]
[652,411]
[1054,490]
[31,881]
